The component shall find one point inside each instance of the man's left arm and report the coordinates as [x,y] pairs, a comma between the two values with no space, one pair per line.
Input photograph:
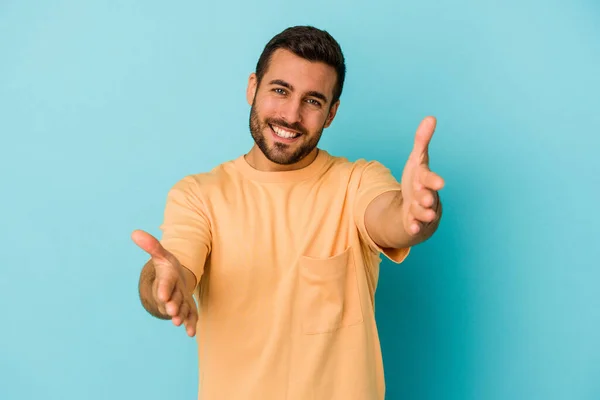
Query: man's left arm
[403,218]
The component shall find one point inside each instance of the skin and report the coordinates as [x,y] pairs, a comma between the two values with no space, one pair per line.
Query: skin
[166,287]
[405,218]
[296,95]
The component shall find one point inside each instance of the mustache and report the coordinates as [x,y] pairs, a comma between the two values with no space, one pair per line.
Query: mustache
[295,126]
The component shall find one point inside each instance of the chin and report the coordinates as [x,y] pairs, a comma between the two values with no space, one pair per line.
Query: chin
[280,159]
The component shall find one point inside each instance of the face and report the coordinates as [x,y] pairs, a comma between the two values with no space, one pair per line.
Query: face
[291,107]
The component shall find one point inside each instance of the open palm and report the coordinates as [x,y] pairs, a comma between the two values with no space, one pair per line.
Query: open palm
[419,183]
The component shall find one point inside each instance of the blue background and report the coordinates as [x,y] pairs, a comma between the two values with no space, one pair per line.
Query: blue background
[105,104]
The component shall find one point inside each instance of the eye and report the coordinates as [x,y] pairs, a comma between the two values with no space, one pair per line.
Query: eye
[314,102]
[279,91]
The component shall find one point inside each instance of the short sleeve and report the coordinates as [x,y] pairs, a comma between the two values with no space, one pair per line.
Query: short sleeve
[186,229]
[375,179]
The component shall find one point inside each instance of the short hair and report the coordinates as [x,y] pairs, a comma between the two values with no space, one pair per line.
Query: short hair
[310,43]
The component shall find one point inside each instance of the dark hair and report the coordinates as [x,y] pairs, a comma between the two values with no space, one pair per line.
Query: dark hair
[311,44]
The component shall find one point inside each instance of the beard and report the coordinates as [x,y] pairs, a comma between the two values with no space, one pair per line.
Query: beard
[281,153]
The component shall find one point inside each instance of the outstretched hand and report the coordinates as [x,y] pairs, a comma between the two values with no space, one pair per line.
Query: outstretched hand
[169,289]
[419,183]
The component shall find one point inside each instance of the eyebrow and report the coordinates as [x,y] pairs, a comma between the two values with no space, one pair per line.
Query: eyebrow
[312,93]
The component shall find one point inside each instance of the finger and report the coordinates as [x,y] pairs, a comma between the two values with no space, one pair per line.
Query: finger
[422,214]
[411,225]
[414,228]
[429,179]
[423,138]
[192,320]
[159,304]
[183,315]
[175,303]
[166,281]
[425,198]
[176,320]
[149,244]
[182,312]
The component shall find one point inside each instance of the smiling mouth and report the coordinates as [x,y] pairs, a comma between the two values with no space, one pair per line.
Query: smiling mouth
[284,133]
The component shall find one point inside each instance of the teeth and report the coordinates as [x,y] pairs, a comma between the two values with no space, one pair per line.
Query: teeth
[283,133]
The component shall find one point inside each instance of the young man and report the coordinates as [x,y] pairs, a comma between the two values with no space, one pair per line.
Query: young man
[281,246]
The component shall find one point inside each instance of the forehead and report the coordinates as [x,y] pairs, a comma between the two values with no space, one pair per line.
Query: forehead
[302,74]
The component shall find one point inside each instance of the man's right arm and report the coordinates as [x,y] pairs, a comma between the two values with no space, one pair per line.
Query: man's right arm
[147,277]
[169,279]
[165,286]
[146,283]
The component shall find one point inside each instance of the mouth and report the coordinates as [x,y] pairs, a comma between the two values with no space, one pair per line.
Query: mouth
[284,135]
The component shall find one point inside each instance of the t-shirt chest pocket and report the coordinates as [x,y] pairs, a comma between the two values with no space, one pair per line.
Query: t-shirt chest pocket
[329,296]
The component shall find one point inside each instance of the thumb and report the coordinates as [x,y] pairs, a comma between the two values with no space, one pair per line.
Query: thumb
[166,277]
[423,138]
[149,244]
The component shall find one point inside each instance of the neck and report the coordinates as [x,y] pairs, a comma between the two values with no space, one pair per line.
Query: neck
[259,161]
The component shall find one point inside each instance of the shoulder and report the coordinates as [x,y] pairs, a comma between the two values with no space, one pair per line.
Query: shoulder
[355,168]
[201,183]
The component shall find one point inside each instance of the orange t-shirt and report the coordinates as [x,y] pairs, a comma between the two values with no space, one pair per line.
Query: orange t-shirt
[287,275]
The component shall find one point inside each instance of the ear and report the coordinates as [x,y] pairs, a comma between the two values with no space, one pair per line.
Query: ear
[332,113]
[251,90]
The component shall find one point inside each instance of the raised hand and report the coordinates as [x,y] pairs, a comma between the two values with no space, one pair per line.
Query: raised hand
[171,292]
[419,183]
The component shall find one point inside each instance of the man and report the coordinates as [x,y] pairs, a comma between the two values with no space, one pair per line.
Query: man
[281,246]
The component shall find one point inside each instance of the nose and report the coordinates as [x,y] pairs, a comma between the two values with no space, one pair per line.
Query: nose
[292,111]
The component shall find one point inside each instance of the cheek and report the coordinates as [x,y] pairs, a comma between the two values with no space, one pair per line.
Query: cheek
[313,120]
[267,107]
